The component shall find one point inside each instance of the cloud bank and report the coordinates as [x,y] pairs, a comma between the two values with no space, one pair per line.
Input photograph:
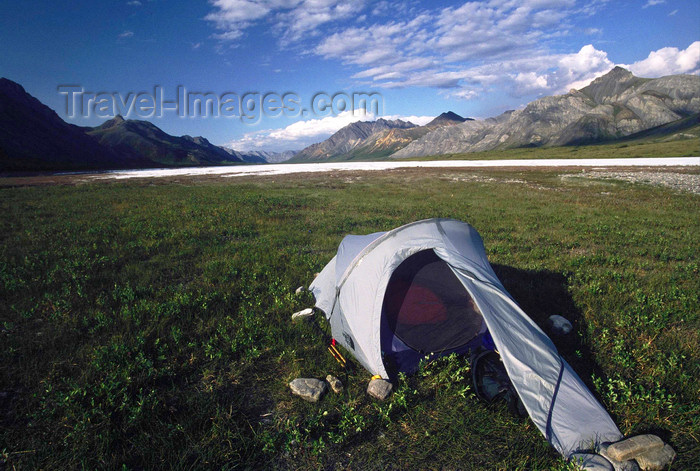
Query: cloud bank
[465,51]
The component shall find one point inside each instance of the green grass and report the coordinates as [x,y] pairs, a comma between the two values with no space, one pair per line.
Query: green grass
[147,326]
[645,147]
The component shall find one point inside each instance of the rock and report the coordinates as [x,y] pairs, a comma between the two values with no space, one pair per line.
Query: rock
[379,388]
[634,446]
[591,462]
[627,465]
[309,389]
[656,460]
[308,312]
[300,290]
[559,325]
[336,384]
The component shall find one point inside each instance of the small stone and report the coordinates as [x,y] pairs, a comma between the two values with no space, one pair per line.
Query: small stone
[627,465]
[336,384]
[308,312]
[309,389]
[634,446]
[656,460]
[379,388]
[590,462]
[300,290]
[559,325]
[266,418]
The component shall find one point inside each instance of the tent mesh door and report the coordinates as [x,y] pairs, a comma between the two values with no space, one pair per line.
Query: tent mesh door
[427,308]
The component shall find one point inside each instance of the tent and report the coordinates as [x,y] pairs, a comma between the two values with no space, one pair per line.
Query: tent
[428,288]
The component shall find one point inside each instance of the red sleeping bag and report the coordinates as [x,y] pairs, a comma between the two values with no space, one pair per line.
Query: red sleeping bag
[412,304]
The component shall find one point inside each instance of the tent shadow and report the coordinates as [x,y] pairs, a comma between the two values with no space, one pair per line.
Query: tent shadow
[544,293]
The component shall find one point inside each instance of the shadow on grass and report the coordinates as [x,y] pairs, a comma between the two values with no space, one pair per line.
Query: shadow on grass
[545,293]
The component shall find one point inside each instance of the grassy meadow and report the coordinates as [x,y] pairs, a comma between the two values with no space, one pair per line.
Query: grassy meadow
[621,149]
[146,324]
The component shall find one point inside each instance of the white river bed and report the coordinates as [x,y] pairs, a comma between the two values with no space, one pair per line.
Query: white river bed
[282,169]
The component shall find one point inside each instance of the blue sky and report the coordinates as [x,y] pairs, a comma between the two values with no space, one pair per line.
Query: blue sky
[476,58]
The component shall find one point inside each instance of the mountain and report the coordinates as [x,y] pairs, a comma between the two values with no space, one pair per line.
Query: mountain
[262,156]
[34,137]
[384,143]
[141,139]
[359,141]
[347,139]
[276,157]
[613,106]
[446,119]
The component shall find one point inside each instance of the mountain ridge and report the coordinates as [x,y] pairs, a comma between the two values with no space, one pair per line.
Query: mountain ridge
[34,138]
[368,140]
[136,138]
[346,139]
[613,106]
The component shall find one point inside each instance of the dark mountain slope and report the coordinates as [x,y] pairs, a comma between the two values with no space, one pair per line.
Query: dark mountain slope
[34,137]
[136,139]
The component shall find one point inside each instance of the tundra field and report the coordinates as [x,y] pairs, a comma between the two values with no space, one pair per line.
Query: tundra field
[146,324]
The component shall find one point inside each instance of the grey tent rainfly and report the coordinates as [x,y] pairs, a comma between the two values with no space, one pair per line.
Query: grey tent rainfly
[427,287]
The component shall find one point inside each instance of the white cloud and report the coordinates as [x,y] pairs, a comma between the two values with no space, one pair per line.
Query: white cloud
[578,69]
[463,94]
[450,47]
[417,120]
[235,13]
[651,3]
[295,18]
[301,134]
[590,8]
[312,128]
[310,14]
[669,60]
[230,35]
[530,82]
[543,74]
[465,51]
[126,34]
[461,49]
